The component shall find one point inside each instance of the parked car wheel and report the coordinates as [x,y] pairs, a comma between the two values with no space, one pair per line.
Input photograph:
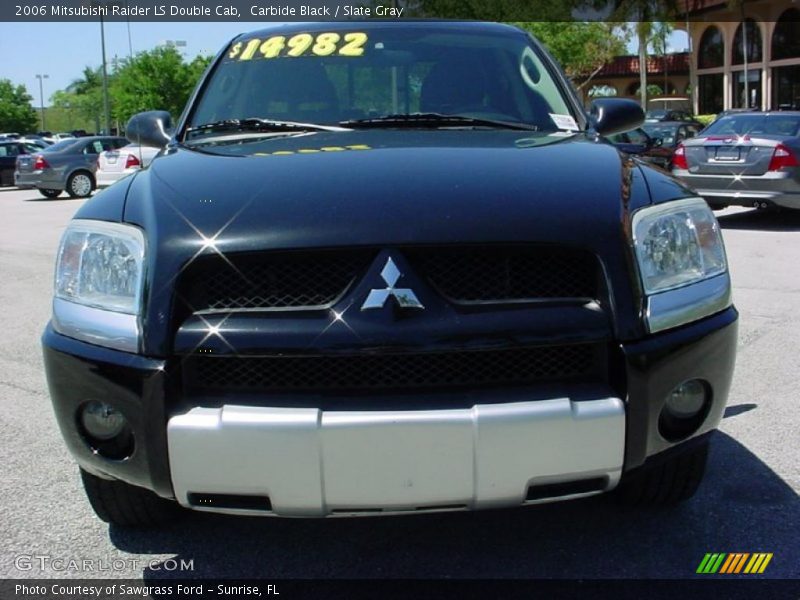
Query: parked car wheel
[80,184]
[126,505]
[50,193]
[667,483]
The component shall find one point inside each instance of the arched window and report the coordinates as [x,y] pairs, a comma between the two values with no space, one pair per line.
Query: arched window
[712,49]
[602,90]
[786,38]
[754,53]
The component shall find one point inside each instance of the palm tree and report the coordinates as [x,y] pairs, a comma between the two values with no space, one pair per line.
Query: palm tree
[660,41]
[87,91]
[90,81]
[644,29]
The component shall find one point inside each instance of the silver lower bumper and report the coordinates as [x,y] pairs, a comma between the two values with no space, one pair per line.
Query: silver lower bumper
[314,463]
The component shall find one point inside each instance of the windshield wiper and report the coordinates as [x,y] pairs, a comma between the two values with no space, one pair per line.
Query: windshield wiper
[256,124]
[434,120]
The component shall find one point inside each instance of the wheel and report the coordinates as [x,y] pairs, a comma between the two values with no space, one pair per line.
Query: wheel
[50,193]
[80,184]
[667,483]
[126,505]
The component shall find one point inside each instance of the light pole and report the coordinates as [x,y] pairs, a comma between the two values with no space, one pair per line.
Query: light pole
[41,94]
[106,111]
[130,43]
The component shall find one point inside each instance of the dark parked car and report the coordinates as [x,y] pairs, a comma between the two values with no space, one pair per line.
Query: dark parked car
[36,141]
[637,142]
[67,165]
[668,135]
[9,151]
[654,142]
[388,267]
[745,159]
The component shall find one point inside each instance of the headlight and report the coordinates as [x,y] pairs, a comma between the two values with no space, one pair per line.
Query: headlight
[682,262]
[98,284]
[677,243]
[100,264]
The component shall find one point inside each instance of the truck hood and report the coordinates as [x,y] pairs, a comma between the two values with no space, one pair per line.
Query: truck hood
[384,189]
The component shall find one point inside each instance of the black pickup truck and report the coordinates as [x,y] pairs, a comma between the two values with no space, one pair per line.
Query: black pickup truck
[388,268]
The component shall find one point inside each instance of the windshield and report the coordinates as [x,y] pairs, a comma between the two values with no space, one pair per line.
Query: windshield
[332,78]
[780,125]
[656,114]
[666,133]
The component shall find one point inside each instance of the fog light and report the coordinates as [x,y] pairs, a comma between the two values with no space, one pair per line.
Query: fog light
[102,421]
[685,409]
[687,399]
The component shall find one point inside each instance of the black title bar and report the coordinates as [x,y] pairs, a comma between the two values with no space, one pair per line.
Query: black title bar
[331,10]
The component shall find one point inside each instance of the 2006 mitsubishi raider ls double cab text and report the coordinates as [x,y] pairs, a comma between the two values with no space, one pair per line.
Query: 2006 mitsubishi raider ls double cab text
[388,268]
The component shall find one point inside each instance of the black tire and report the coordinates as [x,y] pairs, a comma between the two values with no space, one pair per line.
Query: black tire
[667,483]
[50,193]
[126,505]
[80,184]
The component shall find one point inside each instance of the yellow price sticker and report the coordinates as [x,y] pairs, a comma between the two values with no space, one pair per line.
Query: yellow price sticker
[302,44]
[315,150]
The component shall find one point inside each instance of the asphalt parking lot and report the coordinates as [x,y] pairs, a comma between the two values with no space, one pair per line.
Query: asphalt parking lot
[747,503]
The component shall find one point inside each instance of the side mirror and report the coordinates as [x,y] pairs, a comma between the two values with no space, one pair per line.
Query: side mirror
[614,115]
[658,142]
[150,128]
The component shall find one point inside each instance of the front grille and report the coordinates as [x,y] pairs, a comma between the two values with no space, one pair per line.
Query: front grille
[285,280]
[316,279]
[509,274]
[396,372]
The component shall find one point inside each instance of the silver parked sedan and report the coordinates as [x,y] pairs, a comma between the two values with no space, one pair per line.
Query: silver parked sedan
[113,165]
[746,159]
[68,165]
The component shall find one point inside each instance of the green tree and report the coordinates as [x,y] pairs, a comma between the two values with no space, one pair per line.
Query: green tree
[83,97]
[16,112]
[158,79]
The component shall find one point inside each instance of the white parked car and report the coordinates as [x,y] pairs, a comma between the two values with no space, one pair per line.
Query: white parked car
[113,165]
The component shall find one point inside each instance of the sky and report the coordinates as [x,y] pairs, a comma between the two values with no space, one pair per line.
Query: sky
[62,50]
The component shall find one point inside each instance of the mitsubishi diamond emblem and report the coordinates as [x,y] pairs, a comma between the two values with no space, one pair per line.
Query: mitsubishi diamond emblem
[406,298]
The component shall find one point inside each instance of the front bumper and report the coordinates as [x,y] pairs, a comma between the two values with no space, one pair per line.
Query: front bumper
[306,462]
[505,450]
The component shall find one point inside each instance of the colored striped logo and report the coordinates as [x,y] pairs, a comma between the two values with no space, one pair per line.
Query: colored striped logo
[734,563]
